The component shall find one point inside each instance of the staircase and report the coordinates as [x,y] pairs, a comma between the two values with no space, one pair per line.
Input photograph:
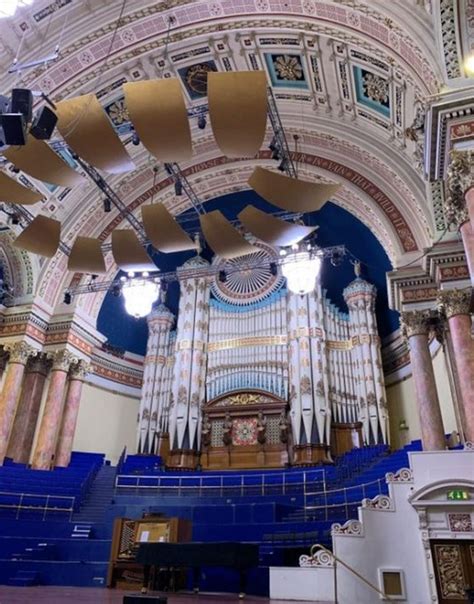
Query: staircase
[99,497]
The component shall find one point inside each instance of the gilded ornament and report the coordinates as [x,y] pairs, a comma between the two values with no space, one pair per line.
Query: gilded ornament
[455,302]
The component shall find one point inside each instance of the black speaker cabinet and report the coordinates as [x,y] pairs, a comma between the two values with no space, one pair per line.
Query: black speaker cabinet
[144,599]
[14,128]
[22,102]
[43,124]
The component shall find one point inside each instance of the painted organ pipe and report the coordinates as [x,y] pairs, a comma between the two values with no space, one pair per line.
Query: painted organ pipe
[160,321]
[188,391]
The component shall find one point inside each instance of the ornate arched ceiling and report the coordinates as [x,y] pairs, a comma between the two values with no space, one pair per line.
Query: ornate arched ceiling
[347,76]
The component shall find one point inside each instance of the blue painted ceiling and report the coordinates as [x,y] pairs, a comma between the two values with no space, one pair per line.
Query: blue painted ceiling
[336,226]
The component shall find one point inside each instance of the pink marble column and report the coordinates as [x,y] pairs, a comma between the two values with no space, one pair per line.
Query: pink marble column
[19,353]
[456,304]
[416,327]
[467,236]
[71,410]
[469,197]
[24,426]
[50,422]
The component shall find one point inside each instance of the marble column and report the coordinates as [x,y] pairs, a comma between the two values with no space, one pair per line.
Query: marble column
[77,374]
[19,354]
[415,326]
[456,305]
[49,427]
[24,426]
[469,197]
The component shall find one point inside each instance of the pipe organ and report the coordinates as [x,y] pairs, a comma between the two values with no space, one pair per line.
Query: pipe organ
[253,365]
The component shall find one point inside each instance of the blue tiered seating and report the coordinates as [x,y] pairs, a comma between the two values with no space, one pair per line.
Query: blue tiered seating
[281,510]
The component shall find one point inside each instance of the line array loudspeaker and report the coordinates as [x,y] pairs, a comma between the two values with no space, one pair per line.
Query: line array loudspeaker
[44,124]
[22,102]
[14,128]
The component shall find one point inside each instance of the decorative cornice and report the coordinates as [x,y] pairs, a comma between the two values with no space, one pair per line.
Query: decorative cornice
[455,302]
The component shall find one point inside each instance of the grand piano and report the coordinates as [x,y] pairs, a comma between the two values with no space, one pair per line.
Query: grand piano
[240,556]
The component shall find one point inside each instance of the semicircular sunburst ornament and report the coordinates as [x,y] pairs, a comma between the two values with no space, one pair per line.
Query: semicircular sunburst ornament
[248,279]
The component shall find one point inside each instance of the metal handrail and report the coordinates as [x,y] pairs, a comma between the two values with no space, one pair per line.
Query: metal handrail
[350,569]
[45,508]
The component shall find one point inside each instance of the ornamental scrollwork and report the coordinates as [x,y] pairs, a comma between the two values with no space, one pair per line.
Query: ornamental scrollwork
[402,475]
[350,528]
[380,502]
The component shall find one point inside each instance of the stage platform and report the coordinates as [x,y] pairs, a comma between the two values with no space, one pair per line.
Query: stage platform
[77,595]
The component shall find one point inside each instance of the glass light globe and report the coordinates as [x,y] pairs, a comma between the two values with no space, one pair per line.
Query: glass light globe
[301,271]
[139,296]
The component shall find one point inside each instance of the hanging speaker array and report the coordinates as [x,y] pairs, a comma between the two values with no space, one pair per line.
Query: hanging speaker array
[238,116]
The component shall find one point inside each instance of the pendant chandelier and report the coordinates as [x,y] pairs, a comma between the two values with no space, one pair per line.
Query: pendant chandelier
[8,7]
[139,295]
[301,268]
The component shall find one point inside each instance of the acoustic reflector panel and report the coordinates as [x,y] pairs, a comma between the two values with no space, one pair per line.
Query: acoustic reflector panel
[41,237]
[163,231]
[86,256]
[158,114]
[273,230]
[129,254]
[290,194]
[85,127]
[37,159]
[238,111]
[224,239]
[12,191]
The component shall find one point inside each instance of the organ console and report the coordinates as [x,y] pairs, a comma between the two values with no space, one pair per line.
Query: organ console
[125,571]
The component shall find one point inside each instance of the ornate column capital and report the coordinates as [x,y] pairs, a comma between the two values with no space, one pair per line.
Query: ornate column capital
[20,352]
[417,322]
[460,178]
[62,360]
[40,363]
[455,302]
[78,371]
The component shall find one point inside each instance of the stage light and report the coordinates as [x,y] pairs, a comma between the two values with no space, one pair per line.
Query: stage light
[283,165]
[116,291]
[301,269]
[273,269]
[67,298]
[135,139]
[336,259]
[178,187]
[139,296]
[202,122]
[107,205]
[273,144]
[222,276]
[276,154]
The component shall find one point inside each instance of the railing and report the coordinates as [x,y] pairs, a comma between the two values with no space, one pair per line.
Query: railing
[53,504]
[318,547]
[366,489]
[236,485]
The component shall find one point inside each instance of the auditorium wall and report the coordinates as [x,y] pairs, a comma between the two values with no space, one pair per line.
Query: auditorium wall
[402,404]
[107,422]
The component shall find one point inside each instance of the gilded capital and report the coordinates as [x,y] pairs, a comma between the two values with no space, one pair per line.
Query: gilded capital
[79,370]
[62,360]
[20,352]
[455,302]
[417,322]
[460,178]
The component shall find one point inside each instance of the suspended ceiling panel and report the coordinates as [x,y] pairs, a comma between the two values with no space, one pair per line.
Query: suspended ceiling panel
[290,194]
[85,127]
[37,159]
[272,230]
[12,191]
[238,111]
[158,114]
[128,252]
[224,239]
[41,237]
[86,256]
[163,231]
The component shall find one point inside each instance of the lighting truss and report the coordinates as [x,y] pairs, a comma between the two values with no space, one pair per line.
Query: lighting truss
[96,285]
[279,135]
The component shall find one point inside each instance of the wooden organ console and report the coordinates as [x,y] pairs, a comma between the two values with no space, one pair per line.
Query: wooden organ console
[125,572]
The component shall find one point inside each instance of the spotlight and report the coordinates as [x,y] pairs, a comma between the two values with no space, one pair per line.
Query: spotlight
[273,144]
[15,219]
[283,165]
[273,269]
[202,122]
[135,139]
[116,291]
[276,154]
[178,187]
[336,259]
[67,298]
[168,169]
[15,170]
[107,205]
[222,276]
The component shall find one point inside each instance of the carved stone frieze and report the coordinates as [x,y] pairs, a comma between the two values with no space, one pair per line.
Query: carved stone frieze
[455,302]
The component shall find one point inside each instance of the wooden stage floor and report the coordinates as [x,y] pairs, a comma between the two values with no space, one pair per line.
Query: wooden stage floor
[77,595]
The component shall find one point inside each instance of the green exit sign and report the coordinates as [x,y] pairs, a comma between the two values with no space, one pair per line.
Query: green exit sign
[458,495]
